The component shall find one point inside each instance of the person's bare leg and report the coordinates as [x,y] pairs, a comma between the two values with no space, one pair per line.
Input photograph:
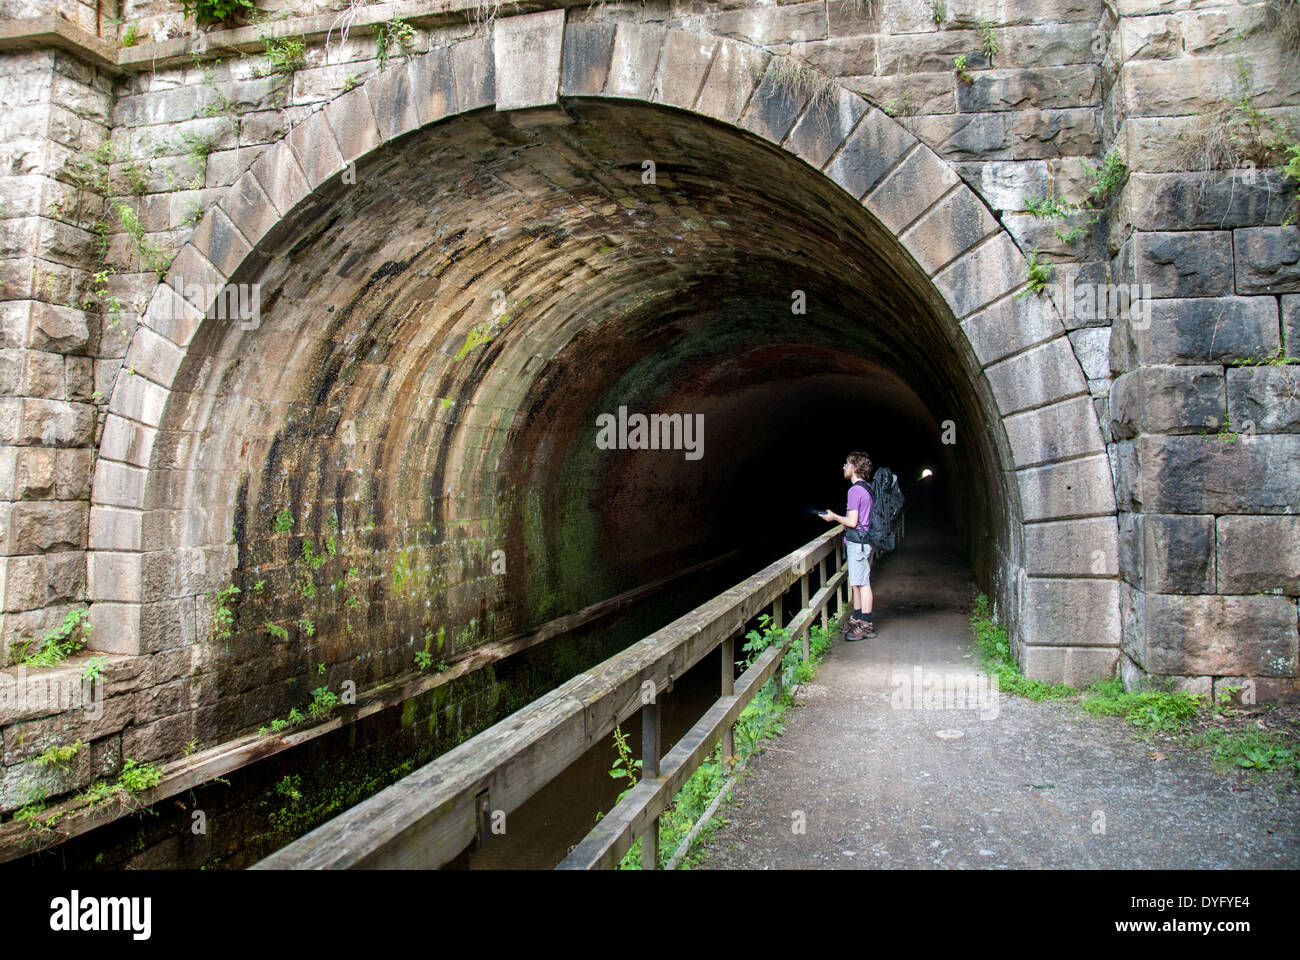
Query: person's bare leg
[863,598]
[857,599]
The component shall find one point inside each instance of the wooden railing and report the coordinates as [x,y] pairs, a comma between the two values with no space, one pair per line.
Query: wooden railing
[637,814]
[429,817]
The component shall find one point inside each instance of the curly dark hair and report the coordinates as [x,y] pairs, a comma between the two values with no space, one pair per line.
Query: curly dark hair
[861,464]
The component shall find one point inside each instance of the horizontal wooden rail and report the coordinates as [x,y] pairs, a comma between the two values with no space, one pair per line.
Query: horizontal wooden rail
[430,816]
[639,811]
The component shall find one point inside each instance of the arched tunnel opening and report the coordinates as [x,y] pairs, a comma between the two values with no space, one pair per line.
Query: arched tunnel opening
[402,457]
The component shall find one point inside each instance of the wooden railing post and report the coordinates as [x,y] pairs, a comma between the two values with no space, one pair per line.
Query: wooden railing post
[650,769]
[778,621]
[826,608]
[844,591]
[803,605]
[728,688]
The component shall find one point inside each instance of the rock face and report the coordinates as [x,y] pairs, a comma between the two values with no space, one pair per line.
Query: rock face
[364,437]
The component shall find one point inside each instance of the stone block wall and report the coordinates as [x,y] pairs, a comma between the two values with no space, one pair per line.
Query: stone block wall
[1203,414]
[57,108]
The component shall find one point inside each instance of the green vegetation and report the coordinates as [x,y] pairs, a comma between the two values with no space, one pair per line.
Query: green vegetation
[59,756]
[1236,134]
[479,335]
[97,793]
[152,258]
[137,776]
[996,659]
[134,778]
[30,814]
[216,11]
[938,12]
[1152,711]
[1040,274]
[959,64]
[90,173]
[393,33]
[284,55]
[900,106]
[223,620]
[625,767]
[795,79]
[312,559]
[57,645]
[1278,358]
[1224,433]
[323,700]
[289,787]
[94,668]
[988,39]
[1258,751]
[1105,178]
[221,105]
[98,294]
[761,719]
[1163,710]
[424,658]
[197,150]
[277,631]
[130,36]
[283,522]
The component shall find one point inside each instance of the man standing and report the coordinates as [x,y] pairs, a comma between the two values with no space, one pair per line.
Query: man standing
[857,467]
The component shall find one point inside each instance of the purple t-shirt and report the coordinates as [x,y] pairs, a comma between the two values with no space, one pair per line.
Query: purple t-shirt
[860,500]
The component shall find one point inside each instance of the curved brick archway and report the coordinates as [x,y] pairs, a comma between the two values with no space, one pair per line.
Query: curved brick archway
[1062,590]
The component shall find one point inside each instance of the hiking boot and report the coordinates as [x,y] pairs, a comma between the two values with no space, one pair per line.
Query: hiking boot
[856,633]
[851,624]
[868,629]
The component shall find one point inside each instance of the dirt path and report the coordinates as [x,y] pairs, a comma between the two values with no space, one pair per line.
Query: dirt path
[876,784]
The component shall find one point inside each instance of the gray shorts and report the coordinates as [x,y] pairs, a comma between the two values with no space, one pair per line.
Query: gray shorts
[859,564]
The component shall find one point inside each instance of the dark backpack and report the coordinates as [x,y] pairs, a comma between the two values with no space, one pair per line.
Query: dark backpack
[886,505]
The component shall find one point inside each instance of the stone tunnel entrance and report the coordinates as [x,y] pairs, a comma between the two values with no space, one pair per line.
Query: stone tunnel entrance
[396,458]
[405,445]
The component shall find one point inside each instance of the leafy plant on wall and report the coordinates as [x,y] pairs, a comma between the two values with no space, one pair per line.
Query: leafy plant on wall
[216,11]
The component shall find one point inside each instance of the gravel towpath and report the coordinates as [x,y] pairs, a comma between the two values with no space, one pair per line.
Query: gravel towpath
[862,779]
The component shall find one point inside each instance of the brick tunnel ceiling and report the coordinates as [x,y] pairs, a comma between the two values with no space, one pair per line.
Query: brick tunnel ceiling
[358,396]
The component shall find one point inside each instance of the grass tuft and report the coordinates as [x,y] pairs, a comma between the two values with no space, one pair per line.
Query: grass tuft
[995,657]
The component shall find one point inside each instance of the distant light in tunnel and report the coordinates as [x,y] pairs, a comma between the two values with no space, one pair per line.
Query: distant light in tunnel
[927,472]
